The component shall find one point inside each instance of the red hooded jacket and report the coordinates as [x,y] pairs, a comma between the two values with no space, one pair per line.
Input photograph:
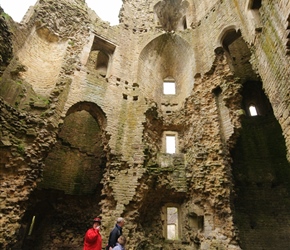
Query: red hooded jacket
[93,240]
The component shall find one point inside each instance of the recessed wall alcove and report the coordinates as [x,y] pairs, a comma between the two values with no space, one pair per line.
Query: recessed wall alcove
[70,192]
[42,70]
[166,55]
[238,54]
[260,168]
[171,15]
[78,158]
[261,175]
[101,56]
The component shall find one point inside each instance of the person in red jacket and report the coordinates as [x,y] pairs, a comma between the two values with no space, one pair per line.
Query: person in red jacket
[93,238]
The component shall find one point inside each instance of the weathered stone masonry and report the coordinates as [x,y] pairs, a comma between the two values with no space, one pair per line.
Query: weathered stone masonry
[84,122]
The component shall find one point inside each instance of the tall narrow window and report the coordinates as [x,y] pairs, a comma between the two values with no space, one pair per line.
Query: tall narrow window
[170,144]
[253,110]
[184,23]
[288,37]
[172,223]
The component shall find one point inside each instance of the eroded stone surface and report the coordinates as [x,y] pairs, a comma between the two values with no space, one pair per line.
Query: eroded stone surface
[84,121]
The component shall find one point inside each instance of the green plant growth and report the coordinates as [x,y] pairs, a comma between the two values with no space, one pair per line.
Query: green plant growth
[21,149]
[71,43]
[42,99]
[5,15]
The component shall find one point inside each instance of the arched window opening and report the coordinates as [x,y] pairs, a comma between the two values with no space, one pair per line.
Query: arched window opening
[172,223]
[230,37]
[238,54]
[102,63]
[253,110]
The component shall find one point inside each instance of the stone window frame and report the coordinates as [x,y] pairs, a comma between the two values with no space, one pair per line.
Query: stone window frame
[170,133]
[165,224]
[106,48]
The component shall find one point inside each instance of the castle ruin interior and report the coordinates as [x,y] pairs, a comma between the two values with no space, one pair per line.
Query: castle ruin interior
[176,119]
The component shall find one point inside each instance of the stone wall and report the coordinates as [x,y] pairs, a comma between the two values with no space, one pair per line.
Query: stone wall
[6,51]
[83,103]
[25,139]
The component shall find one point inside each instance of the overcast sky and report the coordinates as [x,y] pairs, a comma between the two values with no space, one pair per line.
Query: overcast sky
[108,10]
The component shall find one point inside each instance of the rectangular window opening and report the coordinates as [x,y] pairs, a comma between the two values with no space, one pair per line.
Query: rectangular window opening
[170,144]
[169,88]
[253,110]
[172,223]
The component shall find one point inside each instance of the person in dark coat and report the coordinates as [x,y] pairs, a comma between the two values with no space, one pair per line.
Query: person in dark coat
[93,238]
[115,233]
